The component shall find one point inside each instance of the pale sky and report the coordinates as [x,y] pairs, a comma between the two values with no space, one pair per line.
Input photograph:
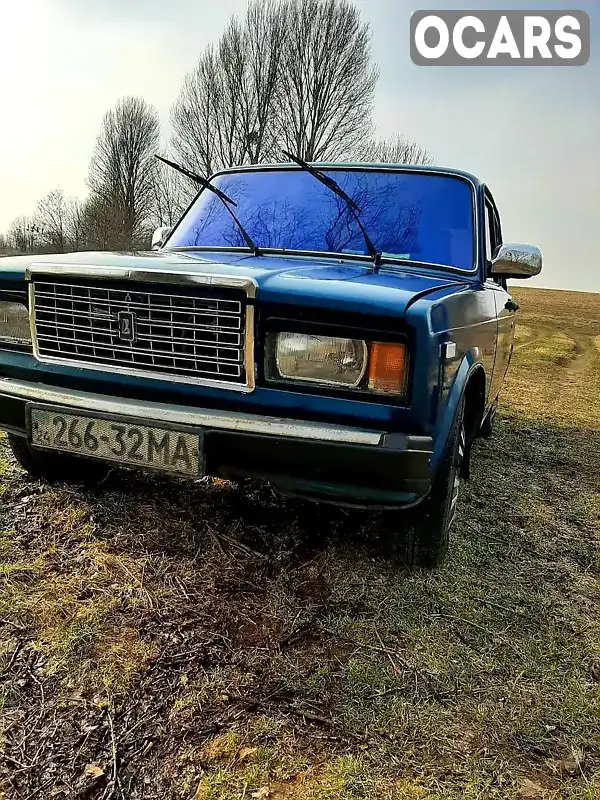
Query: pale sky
[532,134]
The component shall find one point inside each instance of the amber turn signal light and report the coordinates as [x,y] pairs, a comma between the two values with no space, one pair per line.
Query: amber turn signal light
[387,366]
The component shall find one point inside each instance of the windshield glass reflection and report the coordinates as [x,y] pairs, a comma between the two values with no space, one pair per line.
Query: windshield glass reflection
[423,217]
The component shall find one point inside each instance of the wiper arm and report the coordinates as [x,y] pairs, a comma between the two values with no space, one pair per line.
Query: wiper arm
[337,189]
[225,199]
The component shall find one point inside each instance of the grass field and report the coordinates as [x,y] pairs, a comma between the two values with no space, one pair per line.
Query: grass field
[207,641]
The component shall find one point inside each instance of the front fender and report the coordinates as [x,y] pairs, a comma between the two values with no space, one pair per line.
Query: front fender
[452,397]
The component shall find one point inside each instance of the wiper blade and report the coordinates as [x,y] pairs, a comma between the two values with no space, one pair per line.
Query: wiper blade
[198,179]
[225,199]
[326,180]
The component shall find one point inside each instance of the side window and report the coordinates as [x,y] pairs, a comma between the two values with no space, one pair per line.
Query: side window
[489,232]
[493,233]
[497,229]
[492,224]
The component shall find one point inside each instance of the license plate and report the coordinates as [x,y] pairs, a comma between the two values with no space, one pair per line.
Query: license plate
[113,440]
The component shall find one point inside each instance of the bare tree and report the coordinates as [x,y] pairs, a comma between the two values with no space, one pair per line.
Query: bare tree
[5,247]
[53,218]
[122,168]
[25,235]
[61,222]
[292,74]
[76,223]
[100,224]
[328,81]
[196,117]
[225,111]
[252,56]
[394,150]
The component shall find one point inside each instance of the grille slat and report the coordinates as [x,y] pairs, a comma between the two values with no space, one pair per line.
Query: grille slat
[230,321]
[233,340]
[232,354]
[178,334]
[142,321]
[231,306]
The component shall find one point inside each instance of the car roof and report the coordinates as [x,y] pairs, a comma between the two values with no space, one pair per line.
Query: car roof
[358,165]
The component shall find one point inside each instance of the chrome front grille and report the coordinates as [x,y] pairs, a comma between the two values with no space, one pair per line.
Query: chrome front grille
[193,334]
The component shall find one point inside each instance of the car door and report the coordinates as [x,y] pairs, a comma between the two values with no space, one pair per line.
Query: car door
[506,306]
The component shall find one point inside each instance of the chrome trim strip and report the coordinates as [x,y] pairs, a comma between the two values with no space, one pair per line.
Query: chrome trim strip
[32,325]
[169,277]
[249,349]
[186,415]
[241,283]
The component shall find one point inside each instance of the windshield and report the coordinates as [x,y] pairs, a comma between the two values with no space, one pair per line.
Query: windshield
[424,217]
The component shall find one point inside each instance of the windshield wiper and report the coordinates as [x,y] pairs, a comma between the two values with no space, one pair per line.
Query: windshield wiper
[337,189]
[225,199]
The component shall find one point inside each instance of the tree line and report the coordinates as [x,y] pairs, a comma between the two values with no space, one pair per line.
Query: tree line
[292,75]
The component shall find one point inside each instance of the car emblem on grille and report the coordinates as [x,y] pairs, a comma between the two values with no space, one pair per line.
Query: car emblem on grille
[127,326]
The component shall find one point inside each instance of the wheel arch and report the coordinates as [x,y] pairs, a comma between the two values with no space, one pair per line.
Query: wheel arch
[469,385]
[474,395]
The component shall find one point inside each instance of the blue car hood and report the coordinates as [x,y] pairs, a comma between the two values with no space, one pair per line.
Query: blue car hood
[286,279]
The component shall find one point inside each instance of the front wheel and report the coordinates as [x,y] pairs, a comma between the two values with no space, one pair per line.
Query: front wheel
[56,467]
[423,540]
[487,426]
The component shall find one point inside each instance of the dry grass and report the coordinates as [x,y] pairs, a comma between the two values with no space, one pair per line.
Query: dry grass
[556,371]
[212,641]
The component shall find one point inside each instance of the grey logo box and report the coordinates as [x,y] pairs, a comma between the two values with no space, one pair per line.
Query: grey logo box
[560,25]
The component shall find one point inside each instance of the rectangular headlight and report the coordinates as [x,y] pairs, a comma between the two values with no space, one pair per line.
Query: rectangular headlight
[374,367]
[320,359]
[14,323]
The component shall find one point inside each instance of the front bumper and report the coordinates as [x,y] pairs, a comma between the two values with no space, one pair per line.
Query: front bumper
[321,461]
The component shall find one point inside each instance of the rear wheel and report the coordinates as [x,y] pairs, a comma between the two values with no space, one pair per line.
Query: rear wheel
[56,467]
[423,540]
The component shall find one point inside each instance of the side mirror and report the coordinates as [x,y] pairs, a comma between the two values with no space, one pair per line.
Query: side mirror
[160,236]
[516,261]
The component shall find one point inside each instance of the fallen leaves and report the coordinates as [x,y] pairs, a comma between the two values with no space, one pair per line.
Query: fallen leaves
[93,771]
[246,753]
[530,790]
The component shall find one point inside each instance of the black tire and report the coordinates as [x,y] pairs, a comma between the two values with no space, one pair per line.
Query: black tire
[487,426]
[423,539]
[56,467]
